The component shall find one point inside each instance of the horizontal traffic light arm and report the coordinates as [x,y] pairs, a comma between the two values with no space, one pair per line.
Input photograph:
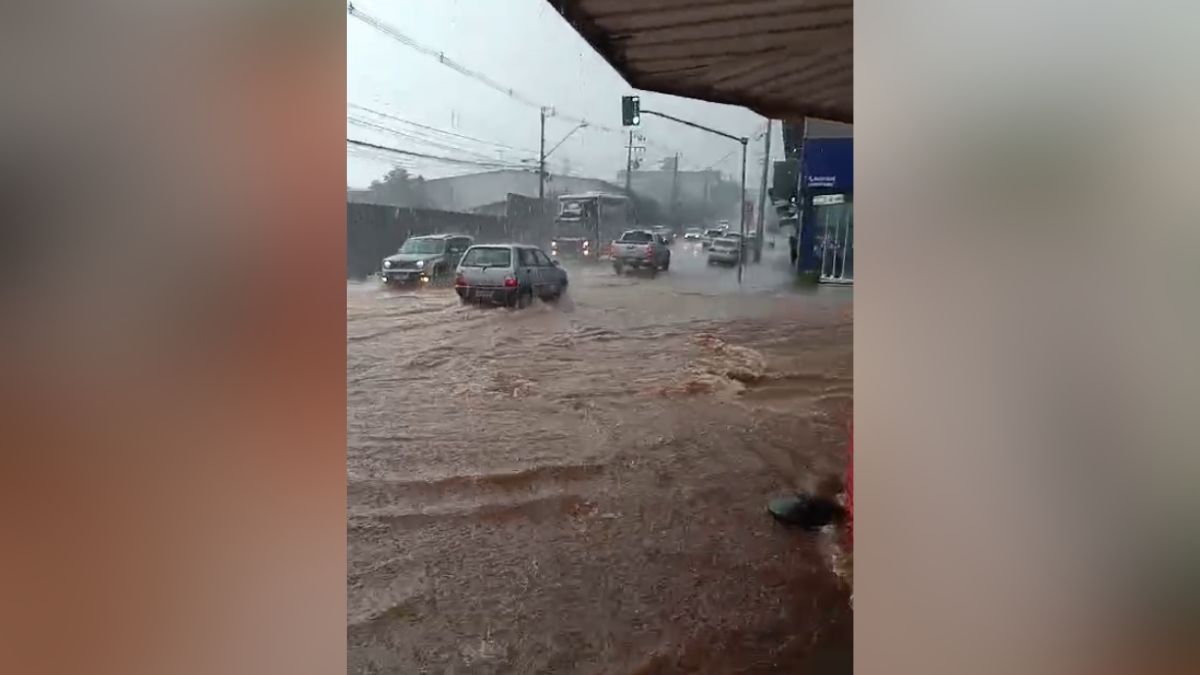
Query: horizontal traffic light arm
[740,139]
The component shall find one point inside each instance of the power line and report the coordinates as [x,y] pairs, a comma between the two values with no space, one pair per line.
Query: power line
[445,145]
[425,140]
[396,34]
[441,57]
[497,164]
[426,127]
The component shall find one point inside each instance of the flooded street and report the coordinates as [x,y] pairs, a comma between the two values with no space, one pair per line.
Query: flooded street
[581,487]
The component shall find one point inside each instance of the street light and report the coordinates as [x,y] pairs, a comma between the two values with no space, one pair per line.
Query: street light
[543,155]
[564,138]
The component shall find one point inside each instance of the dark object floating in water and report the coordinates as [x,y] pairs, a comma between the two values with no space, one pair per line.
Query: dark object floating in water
[806,511]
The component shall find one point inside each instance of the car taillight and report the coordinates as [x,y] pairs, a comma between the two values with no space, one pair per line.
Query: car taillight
[460,280]
[649,251]
[510,282]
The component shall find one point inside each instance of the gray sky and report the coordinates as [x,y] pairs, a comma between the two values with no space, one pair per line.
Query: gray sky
[528,47]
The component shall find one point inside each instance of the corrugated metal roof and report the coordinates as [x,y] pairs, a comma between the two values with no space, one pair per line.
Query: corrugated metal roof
[781,58]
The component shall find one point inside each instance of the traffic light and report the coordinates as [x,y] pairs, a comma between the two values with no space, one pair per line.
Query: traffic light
[631,111]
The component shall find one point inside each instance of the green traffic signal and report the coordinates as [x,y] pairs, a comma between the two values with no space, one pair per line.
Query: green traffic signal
[631,111]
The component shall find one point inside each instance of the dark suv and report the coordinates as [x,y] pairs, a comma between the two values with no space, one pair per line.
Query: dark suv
[426,258]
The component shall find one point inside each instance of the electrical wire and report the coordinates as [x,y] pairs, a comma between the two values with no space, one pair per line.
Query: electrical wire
[395,34]
[497,164]
[436,130]
[426,140]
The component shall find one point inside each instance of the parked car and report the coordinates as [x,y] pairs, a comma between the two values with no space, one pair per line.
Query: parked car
[424,259]
[640,249]
[726,251]
[508,274]
[709,235]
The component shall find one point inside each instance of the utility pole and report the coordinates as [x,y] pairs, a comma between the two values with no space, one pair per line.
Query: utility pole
[762,196]
[629,165]
[542,162]
[675,193]
[742,208]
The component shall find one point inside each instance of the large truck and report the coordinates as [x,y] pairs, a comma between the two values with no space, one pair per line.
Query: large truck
[587,223]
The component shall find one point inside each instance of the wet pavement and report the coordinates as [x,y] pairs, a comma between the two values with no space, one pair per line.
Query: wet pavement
[581,487]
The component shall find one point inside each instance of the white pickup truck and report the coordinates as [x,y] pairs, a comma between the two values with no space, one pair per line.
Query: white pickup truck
[641,249]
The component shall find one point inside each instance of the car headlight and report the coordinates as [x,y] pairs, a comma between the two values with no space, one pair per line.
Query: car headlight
[387,263]
[420,264]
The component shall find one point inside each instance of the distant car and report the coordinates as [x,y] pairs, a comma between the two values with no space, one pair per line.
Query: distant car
[666,233]
[726,251]
[641,249]
[508,274]
[709,235]
[424,259]
[693,234]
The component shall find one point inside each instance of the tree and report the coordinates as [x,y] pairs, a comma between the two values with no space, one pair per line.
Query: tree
[399,188]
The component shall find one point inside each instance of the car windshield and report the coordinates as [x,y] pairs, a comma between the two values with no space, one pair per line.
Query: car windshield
[488,256]
[726,242]
[714,233]
[637,237]
[422,246]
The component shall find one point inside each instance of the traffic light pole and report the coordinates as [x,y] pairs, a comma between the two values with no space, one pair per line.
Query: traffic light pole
[742,201]
[693,124]
[742,208]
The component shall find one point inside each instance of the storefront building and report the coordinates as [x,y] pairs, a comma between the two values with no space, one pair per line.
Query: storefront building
[826,210]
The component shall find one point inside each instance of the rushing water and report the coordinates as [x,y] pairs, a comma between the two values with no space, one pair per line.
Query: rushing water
[580,488]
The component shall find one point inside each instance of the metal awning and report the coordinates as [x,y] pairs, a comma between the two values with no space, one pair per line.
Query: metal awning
[785,59]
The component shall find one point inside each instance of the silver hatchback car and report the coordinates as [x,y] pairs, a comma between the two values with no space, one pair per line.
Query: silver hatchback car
[508,274]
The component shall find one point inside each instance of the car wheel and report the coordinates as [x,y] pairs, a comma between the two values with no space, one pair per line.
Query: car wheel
[667,265]
[523,298]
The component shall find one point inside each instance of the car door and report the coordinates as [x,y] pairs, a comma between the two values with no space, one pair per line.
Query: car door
[552,276]
[530,270]
[455,249]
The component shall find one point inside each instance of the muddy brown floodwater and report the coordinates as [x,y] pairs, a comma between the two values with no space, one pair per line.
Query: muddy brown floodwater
[581,488]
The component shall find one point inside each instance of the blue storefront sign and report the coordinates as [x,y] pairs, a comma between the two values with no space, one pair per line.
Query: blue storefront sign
[826,182]
[828,164]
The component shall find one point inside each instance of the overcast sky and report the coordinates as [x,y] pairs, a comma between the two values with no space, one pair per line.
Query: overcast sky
[528,47]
